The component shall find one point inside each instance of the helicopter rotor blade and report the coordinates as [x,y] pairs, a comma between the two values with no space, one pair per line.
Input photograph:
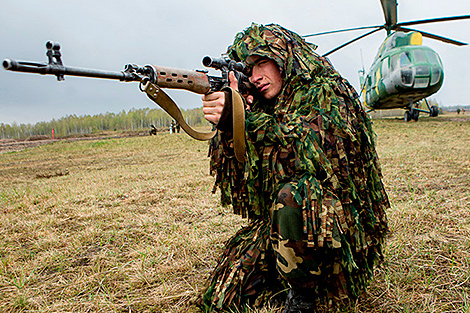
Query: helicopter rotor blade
[432,36]
[390,12]
[434,20]
[340,31]
[353,40]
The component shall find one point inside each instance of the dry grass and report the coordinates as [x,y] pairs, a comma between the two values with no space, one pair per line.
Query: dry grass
[127,229]
[130,224]
[427,175]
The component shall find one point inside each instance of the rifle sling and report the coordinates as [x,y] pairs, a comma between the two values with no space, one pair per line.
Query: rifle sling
[157,95]
[238,117]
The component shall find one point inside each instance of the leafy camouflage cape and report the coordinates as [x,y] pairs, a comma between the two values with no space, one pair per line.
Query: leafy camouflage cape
[317,134]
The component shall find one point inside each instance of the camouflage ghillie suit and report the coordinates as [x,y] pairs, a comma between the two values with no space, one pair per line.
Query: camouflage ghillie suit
[311,184]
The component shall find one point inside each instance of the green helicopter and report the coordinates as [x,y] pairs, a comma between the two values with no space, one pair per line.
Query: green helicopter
[404,72]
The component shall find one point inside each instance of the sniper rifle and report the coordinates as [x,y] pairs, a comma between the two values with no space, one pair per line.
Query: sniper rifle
[152,78]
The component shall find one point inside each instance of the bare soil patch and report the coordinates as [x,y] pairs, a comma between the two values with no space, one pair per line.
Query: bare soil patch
[9,145]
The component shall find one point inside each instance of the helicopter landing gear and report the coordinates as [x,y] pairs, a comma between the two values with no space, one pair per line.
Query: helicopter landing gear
[433,110]
[407,116]
[413,112]
[411,115]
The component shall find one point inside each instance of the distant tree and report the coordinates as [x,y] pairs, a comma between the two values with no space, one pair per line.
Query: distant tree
[134,119]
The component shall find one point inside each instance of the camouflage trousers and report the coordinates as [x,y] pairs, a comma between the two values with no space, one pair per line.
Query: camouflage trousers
[302,266]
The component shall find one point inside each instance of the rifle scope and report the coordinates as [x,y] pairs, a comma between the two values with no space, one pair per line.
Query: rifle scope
[223,63]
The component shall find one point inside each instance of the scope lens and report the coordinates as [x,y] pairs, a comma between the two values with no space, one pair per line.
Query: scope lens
[207,61]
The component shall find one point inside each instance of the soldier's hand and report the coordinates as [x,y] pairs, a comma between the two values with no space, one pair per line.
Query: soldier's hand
[234,85]
[213,103]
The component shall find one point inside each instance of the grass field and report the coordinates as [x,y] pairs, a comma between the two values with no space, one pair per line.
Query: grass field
[131,225]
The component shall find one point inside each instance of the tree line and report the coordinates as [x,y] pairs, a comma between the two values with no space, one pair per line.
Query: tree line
[134,119]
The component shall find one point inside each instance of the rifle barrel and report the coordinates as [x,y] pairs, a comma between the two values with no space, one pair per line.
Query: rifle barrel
[58,70]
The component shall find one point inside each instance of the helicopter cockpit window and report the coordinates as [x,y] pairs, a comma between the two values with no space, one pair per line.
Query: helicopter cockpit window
[405,59]
[435,75]
[406,71]
[432,57]
[419,56]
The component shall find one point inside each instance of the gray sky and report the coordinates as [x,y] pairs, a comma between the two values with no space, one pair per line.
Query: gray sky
[107,34]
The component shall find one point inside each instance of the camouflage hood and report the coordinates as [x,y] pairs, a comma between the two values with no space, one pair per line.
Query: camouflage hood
[297,60]
[294,56]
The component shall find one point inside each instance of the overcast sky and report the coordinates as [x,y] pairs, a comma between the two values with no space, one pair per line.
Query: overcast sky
[107,34]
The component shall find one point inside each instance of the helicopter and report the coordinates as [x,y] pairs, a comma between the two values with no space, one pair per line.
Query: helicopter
[404,72]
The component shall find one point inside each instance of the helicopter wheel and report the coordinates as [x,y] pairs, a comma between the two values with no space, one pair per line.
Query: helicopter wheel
[434,111]
[415,115]
[407,116]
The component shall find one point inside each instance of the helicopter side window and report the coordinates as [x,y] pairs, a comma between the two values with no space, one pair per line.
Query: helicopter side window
[372,79]
[385,68]
[419,56]
[368,83]
[394,62]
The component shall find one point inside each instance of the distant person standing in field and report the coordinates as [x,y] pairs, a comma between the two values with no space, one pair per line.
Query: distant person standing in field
[310,186]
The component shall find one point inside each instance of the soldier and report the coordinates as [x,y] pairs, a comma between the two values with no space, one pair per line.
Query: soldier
[153,130]
[178,127]
[310,186]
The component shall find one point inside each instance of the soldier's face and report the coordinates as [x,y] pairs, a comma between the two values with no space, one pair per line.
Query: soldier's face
[265,76]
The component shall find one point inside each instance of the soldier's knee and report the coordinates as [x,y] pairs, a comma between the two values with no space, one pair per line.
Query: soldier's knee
[287,220]
[285,197]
